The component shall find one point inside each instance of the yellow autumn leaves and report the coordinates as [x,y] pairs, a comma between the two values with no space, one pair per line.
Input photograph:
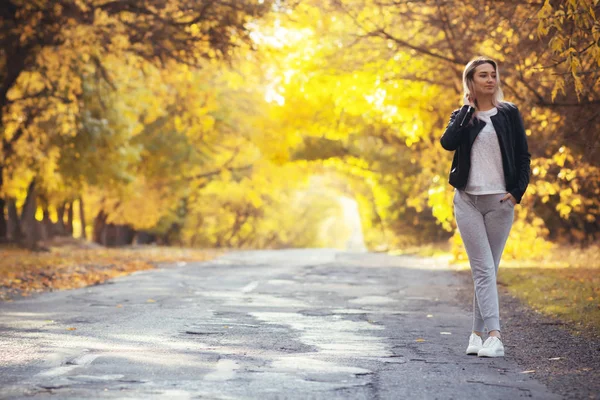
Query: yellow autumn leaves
[350,94]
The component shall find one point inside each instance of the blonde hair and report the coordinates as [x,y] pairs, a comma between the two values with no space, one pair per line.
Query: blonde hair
[468,73]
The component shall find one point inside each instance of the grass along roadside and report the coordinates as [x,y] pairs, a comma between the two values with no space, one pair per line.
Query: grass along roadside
[564,285]
[74,264]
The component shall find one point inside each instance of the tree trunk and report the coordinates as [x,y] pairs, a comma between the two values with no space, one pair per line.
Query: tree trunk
[61,230]
[69,227]
[124,235]
[13,227]
[47,225]
[28,222]
[3,227]
[144,237]
[16,57]
[173,234]
[99,228]
[82,219]
[109,235]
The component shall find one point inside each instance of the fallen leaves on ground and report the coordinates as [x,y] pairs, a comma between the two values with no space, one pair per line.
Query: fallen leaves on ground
[23,272]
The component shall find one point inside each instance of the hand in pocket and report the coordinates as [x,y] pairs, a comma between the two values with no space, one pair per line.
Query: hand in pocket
[509,197]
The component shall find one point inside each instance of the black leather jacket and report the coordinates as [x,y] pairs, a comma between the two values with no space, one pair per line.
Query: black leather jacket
[508,123]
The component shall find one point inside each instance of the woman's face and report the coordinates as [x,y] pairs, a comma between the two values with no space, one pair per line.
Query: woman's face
[484,80]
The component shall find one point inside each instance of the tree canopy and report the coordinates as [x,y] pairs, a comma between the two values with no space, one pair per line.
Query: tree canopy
[241,124]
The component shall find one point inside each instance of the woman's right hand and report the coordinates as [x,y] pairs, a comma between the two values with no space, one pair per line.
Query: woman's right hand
[468,100]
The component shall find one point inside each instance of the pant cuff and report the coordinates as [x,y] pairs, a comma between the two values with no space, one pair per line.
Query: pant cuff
[492,324]
[478,326]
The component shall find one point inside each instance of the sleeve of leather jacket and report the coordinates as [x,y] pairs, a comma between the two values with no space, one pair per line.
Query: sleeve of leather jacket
[453,136]
[522,157]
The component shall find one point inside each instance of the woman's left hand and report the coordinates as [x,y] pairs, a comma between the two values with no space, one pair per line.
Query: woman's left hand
[509,197]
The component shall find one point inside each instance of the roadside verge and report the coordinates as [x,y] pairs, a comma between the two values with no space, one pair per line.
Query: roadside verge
[74,264]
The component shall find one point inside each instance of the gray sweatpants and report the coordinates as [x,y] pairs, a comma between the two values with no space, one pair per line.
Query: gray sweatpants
[484,224]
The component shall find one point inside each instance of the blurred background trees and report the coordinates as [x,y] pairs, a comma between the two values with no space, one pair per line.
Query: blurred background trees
[241,124]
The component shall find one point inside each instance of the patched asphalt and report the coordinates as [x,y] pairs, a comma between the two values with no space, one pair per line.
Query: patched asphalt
[289,324]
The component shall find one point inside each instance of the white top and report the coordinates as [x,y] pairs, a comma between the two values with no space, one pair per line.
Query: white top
[486,175]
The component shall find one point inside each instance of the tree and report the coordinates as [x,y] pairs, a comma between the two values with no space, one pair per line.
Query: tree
[67,36]
[573,30]
[379,77]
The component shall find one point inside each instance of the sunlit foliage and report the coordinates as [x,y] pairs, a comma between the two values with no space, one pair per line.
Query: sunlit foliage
[208,124]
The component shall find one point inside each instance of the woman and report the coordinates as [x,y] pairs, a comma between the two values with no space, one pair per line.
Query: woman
[490,172]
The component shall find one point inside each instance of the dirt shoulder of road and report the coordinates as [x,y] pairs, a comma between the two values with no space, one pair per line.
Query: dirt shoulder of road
[71,263]
[563,356]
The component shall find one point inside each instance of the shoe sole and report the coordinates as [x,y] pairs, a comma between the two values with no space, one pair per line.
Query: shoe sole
[491,355]
[473,351]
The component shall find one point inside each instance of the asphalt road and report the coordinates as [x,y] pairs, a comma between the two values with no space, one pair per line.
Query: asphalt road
[293,324]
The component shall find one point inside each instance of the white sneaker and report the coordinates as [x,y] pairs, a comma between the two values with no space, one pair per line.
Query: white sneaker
[492,347]
[475,344]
